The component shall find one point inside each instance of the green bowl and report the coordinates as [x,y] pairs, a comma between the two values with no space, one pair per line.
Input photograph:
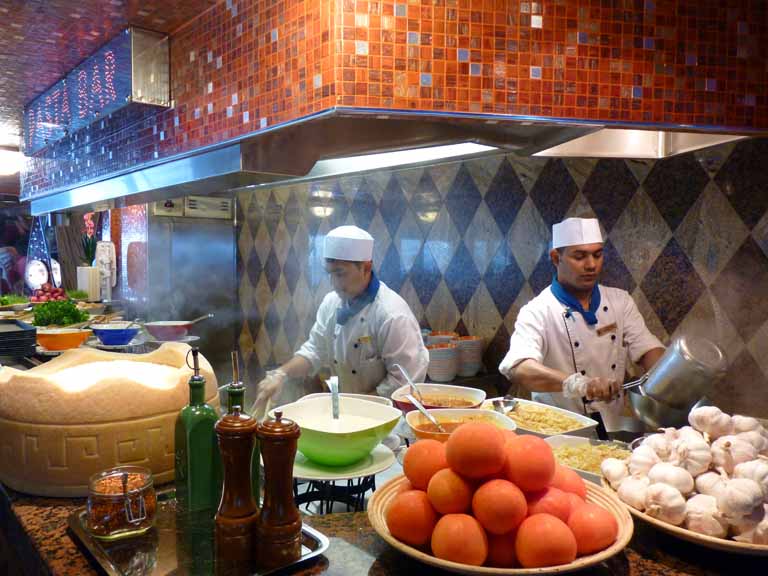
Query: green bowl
[362,424]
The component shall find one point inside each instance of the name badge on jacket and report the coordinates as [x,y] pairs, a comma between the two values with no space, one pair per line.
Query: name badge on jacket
[607,329]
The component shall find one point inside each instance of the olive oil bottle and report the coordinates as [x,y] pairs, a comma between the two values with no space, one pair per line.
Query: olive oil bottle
[198,461]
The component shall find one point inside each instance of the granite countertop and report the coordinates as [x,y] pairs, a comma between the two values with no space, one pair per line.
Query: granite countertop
[35,534]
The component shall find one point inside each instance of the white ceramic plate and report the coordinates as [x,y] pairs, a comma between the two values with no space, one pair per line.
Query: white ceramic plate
[586,429]
[377,461]
[186,339]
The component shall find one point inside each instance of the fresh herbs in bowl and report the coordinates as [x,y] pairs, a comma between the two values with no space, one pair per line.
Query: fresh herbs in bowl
[58,314]
[77,294]
[11,299]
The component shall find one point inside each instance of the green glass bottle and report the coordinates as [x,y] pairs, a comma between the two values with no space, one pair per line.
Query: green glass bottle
[236,397]
[198,462]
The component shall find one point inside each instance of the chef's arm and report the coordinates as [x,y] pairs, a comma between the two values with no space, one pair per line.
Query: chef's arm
[650,358]
[297,367]
[536,377]
[402,345]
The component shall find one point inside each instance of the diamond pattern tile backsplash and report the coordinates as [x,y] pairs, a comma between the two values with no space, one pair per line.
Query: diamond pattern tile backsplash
[465,243]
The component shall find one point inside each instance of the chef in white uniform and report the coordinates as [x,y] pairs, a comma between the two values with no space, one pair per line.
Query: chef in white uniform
[361,330]
[572,341]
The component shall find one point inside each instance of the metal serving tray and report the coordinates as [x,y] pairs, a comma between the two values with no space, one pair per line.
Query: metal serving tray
[177,544]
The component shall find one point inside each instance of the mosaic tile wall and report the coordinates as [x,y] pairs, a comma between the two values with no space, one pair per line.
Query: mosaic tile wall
[465,245]
[247,64]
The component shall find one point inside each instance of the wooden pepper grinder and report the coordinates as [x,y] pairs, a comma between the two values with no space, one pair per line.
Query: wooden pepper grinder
[238,513]
[278,530]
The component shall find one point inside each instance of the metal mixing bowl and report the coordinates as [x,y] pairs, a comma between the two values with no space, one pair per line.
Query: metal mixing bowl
[655,415]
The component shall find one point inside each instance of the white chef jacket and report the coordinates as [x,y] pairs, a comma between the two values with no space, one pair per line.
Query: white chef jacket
[546,332]
[362,351]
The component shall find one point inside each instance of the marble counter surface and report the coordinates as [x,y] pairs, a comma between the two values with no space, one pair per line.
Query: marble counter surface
[35,540]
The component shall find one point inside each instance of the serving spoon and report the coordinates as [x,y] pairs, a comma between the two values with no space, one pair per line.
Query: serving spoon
[414,389]
[427,415]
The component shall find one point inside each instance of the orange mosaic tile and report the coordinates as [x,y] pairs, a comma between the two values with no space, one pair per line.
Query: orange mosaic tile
[245,65]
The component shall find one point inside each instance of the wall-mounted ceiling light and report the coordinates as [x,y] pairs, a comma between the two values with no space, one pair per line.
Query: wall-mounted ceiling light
[11,161]
[321,203]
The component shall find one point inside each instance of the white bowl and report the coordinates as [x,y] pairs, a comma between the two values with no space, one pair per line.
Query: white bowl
[366,397]
[562,440]
[473,395]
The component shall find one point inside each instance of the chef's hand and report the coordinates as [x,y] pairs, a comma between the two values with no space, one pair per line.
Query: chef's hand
[269,388]
[604,389]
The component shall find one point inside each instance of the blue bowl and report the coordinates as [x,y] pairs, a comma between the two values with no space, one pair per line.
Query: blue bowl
[114,334]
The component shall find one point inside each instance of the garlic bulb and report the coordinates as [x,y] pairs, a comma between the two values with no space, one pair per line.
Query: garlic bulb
[739,497]
[614,470]
[632,491]
[710,483]
[754,527]
[703,516]
[667,473]
[756,438]
[710,420]
[660,443]
[686,432]
[642,460]
[665,502]
[728,451]
[692,453]
[756,470]
[741,424]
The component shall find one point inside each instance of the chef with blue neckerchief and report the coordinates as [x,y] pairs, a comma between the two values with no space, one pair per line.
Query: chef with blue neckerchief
[362,328]
[573,340]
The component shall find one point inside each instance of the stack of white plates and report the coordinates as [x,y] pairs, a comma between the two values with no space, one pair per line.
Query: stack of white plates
[470,355]
[443,362]
[441,337]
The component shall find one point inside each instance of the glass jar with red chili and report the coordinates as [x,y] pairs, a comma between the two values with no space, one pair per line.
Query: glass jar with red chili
[121,502]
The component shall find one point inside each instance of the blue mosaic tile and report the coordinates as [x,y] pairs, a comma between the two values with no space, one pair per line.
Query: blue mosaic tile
[554,191]
[393,205]
[461,328]
[541,277]
[425,276]
[672,286]
[504,279]
[253,267]
[462,277]
[609,188]
[292,215]
[239,213]
[741,289]
[426,202]
[274,212]
[272,270]
[255,372]
[292,269]
[254,214]
[291,326]
[364,205]
[496,349]
[272,322]
[744,180]
[462,199]
[674,184]
[615,273]
[505,196]
[391,269]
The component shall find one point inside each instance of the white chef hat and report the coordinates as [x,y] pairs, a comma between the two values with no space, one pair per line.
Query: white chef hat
[349,243]
[575,232]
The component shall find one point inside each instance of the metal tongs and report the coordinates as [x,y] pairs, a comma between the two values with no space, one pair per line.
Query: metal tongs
[414,389]
[506,404]
[636,383]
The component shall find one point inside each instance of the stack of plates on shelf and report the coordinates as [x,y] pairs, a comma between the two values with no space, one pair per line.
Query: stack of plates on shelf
[443,362]
[470,354]
[17,338]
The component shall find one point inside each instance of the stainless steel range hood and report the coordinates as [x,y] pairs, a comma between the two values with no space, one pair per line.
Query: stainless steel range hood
[301,149]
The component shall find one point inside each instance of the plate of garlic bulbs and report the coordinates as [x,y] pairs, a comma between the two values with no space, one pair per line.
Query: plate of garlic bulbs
[706,483]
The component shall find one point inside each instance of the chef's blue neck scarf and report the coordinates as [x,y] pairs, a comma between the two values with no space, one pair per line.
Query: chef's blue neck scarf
[573,304]
[349,308]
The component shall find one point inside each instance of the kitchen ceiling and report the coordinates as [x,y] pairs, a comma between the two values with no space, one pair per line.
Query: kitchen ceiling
[41,40]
